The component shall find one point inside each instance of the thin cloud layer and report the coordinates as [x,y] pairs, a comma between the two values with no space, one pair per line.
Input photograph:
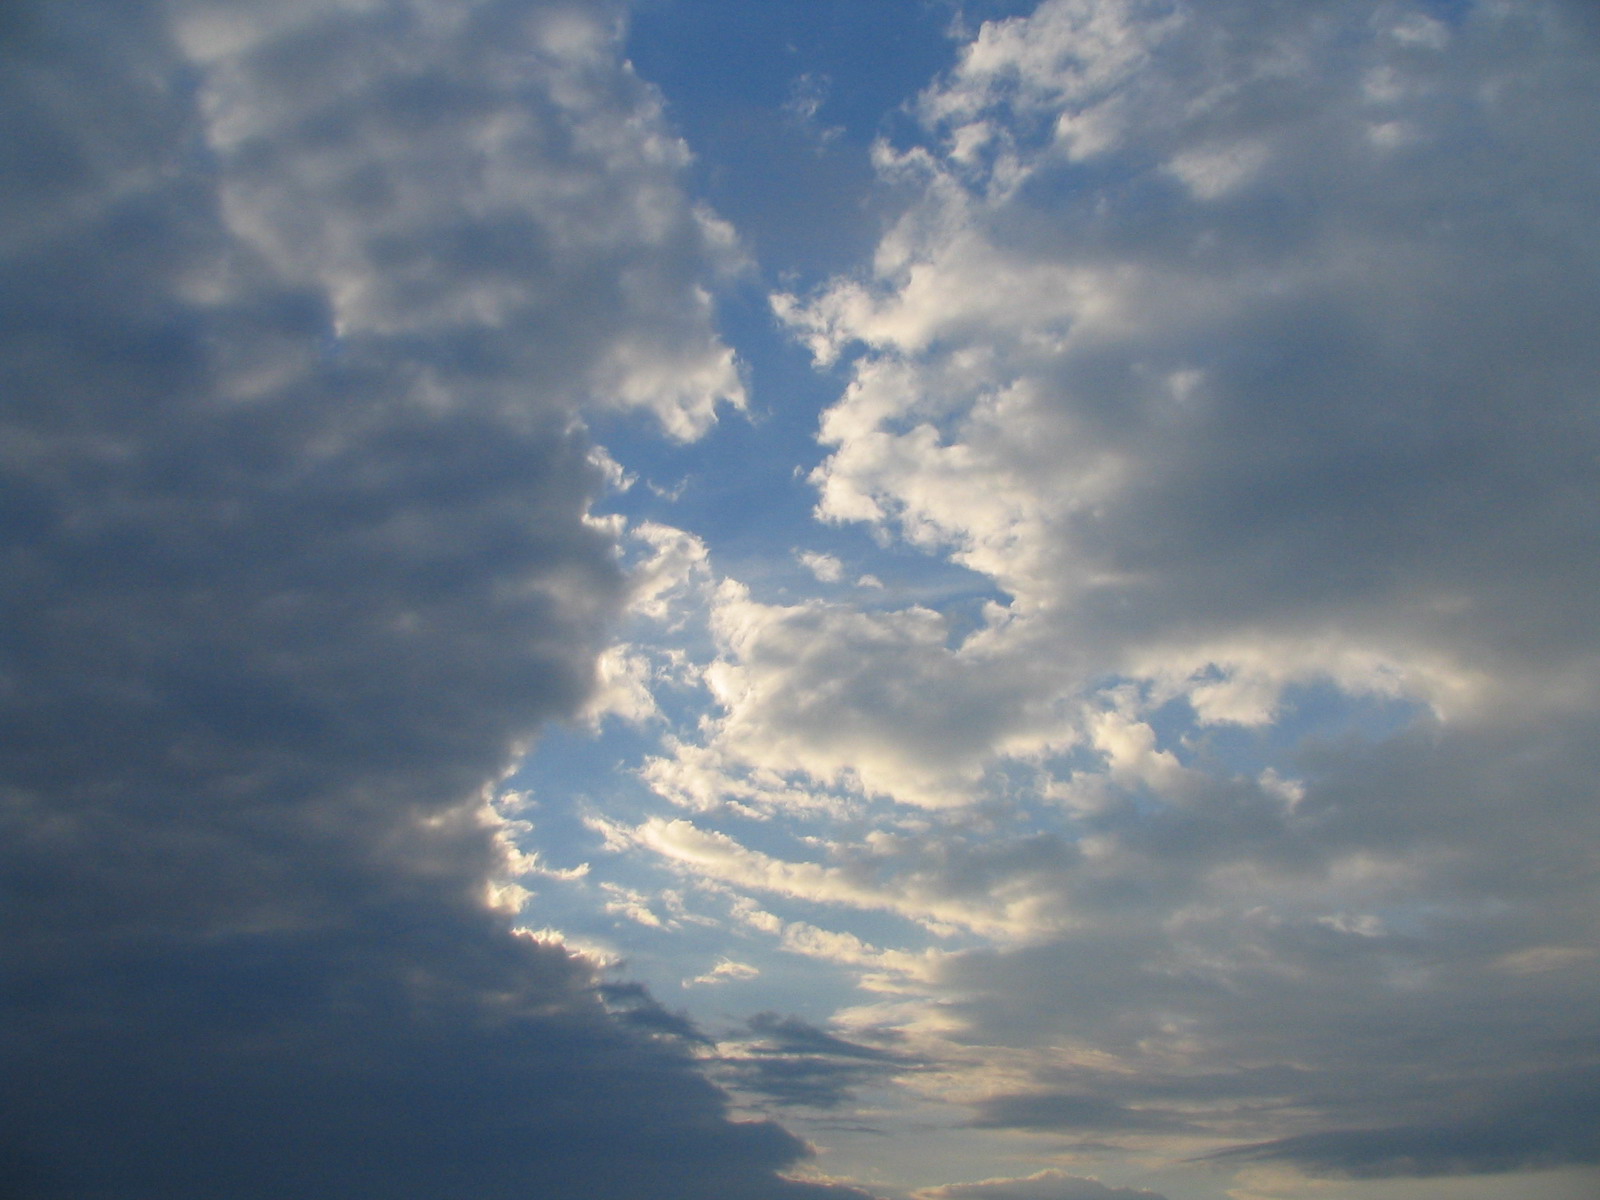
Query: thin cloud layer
[303,304]
[795,1064]
[1044,1185]
[1546,1122]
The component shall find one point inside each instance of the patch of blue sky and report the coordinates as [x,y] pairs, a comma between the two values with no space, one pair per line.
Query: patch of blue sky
[744,487]
[782,100]
[1454,12]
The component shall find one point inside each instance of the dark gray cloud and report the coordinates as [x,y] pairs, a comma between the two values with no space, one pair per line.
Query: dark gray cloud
[1551,1120]
[794,1063]
[791,1035]
[298,309]
[415,1053]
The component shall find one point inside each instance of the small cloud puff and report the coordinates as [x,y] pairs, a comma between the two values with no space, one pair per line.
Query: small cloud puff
[825,567]
[726,971]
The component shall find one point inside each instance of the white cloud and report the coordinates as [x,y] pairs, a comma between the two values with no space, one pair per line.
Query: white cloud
[826,567]
[943,886]
[704,779]
[623,687]
[632,904]
[881,969]
[726,971]
[666,586]
[875,703]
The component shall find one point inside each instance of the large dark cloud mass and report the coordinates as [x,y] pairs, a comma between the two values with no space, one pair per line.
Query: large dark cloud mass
[300,304]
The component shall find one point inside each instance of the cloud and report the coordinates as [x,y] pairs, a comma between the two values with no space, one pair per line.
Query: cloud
[876,702]
[1183,410]
[826,567]
[1551,1123]
[1246,354]
[623,688]
[1064,1111]
[1044,1185]
[672,576]
[725,971]
[937,880]
[796,1064]
[790,1035]
[302,307]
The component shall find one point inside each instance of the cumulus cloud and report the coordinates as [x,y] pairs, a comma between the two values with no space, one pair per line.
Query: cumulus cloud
[1189,411]
[826,567]
[303,304]
[880,702]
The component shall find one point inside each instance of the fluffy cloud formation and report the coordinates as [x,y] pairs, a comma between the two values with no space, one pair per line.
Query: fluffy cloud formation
[302,306]
[1248,352]
[1336,399]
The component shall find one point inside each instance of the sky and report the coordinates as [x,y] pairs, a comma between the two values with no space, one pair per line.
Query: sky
[800,599]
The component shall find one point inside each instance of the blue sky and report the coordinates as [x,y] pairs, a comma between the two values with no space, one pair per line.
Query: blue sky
[800,601]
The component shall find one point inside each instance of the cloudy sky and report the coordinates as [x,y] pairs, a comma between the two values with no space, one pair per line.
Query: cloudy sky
[800,599]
